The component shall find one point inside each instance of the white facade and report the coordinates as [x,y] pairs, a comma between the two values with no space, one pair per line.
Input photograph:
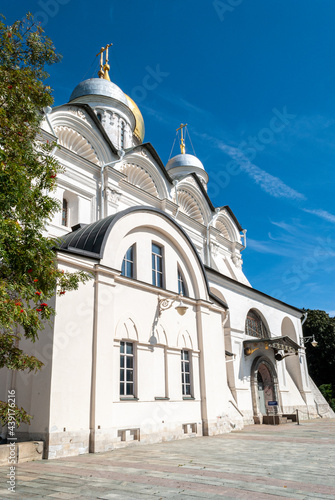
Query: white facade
[118,195]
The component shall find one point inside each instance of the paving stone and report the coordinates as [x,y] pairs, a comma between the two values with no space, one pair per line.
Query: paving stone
[258,463]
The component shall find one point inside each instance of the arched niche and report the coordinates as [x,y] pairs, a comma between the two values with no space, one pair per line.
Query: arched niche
[227,228]
[292,362]
[189,206]
[65,119]
[139,177]
[75,142]
[142,164]
[288,329]
[126,329]
[184,340]
[191,201]
[160,334]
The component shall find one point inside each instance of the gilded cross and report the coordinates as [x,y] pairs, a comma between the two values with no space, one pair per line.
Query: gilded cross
[182,142]
[103,72]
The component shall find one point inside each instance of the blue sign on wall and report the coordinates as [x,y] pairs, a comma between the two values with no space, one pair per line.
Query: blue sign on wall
[273,403]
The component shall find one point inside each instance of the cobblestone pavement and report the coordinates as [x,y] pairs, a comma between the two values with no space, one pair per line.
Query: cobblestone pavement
[260,462]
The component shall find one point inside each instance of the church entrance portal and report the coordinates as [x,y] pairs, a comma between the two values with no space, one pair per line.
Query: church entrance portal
[265,388]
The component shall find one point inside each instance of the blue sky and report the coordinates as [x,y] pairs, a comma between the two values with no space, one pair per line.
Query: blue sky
[255,81]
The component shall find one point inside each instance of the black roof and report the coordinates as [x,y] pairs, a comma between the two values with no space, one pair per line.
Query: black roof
[88,239]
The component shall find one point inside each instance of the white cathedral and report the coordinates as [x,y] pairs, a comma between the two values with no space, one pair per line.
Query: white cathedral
[168,340]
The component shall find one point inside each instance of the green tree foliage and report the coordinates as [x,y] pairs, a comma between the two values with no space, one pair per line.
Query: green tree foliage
[321,359]
[328,391]
[29,275]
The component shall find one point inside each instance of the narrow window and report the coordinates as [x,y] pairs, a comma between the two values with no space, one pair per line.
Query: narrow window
[65,213]
[181,284]
[128,263]
[186,373]
[122,135]
[99,116]
[157,265]
[127,369]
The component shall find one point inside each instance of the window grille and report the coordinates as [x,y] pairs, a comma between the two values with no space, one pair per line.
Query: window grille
[181,284]
[254,326]
[157,265]
[185,373]
[65,213]
[128,263]
[127,369]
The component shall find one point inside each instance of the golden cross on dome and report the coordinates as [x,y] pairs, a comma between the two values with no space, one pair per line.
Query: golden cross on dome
[182,142]
[104,68]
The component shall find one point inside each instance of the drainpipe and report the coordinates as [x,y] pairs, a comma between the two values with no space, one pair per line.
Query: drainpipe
[225,318]
[94,364]
[202,372]
[244,236]
[304,317]
[121,154]
[213,219]
[47,110]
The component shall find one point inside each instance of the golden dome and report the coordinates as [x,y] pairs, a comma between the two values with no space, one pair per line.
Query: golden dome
[139,122]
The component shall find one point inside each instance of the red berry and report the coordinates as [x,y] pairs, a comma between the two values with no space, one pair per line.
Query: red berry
[29,271]
[10,86]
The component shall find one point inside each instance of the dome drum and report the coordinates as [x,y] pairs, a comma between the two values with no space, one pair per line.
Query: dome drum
[100,93]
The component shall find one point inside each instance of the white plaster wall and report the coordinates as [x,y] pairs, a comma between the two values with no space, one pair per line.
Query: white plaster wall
[291,371]
[72,361]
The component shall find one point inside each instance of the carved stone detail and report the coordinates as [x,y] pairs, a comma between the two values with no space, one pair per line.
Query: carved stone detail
[221,226]
[78,112]
[75,142]
[113,196]
[237,260]
[189,206]
[139,177]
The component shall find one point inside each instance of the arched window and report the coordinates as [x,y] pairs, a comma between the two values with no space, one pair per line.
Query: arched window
[128,268]
[254,326]
[157,266]
[181,284]
[65,213]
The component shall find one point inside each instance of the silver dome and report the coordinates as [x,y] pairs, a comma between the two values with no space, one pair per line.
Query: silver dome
[184,160]
[99,86]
